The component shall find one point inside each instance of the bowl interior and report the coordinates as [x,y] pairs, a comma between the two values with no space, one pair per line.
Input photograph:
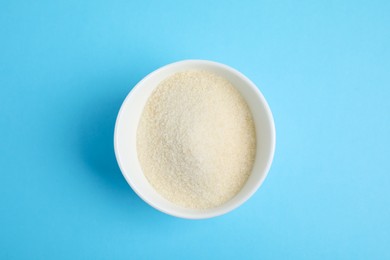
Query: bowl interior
[127,124]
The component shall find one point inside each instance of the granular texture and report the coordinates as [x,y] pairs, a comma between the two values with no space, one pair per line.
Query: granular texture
[196,139]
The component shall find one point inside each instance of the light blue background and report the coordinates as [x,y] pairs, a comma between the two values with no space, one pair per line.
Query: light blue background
[66,66]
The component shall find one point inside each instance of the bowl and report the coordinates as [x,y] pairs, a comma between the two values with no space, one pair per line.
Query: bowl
[126,132]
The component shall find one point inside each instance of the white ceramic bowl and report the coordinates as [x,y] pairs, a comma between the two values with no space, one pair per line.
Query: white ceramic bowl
[127,124]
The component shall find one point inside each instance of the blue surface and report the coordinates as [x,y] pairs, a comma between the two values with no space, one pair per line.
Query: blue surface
[66,66]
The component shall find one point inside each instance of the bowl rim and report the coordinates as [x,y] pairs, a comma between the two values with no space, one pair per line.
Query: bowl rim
[258,182]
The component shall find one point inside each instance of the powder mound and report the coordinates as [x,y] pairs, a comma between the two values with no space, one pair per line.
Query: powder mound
[196,139]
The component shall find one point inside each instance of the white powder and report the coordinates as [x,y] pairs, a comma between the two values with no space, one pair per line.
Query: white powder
[196,139]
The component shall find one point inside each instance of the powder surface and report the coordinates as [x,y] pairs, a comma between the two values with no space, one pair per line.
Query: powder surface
[196,139]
